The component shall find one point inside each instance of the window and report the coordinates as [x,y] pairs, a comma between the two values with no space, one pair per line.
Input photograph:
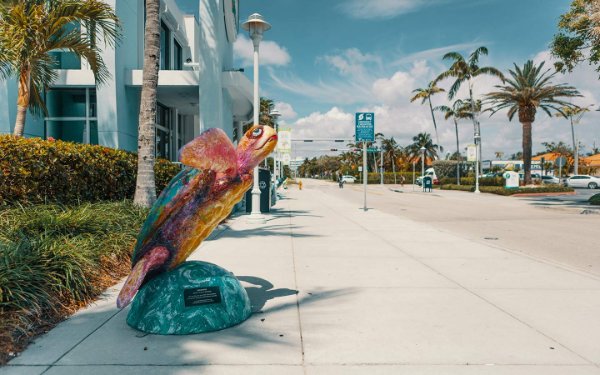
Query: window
[177,57]
[165,47]
[163,131]
[71,115]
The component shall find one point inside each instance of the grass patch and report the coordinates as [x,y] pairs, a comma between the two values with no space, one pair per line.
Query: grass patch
[56,259]
[503,191]
[595,200]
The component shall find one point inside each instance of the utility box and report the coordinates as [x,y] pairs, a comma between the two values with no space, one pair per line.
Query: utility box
[512,180]
[264,183]
[427,183]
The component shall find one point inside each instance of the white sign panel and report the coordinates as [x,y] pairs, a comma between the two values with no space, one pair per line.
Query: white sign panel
[284,140]
[512,180]
[285,159]
[471,153]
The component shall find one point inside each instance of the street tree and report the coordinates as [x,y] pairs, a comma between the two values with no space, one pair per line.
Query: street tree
[31,29]
[578,37]
[423,140]
[460,110]
[528,89]
[425,95]
[464,71]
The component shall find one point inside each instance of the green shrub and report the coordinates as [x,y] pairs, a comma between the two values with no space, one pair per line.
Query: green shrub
[503,191]
[388,177]
[53,259]
[595,200]
[33,170]
[470,181]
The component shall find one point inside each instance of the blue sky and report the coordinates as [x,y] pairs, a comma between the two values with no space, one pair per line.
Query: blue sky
[323,60]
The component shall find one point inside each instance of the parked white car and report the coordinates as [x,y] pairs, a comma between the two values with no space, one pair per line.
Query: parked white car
[583,181]
[348,179]
[550,180]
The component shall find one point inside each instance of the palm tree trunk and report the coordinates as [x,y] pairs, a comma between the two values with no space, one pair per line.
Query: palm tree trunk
[457,153]
[527,151]
[22,100]
[437,138]
[145,189]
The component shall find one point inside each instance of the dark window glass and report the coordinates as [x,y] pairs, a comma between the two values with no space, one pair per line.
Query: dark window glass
[66,103]
[163,131]
[165,50]
[177,57]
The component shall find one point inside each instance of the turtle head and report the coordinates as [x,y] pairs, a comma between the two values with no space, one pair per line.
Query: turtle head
[258,142]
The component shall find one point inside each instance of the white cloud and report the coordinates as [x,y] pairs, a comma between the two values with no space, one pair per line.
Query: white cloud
[351,62]
[373,9]
[387,94]
[397,87]
[286,110]
[271,53]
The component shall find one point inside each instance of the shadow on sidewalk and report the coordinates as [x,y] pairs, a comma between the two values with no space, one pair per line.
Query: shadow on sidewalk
[282,230]
[263,291]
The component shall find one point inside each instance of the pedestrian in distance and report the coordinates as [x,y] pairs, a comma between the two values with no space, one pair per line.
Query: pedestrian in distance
[402,179]
[341,183]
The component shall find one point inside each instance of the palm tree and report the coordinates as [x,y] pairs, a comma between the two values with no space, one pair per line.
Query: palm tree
[425,95]
[145,189]
[30,30]
[527,90]
[460,110]
[570,113]
[390,152]
[465,70]
[266,107]
[423,140]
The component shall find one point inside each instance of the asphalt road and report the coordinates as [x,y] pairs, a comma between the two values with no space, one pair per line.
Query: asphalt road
[561,229]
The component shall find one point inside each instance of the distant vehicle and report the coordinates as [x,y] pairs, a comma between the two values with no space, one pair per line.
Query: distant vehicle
[583,181]
[431,173]
[550,180]
[491,174]
[534,176]
[348,179]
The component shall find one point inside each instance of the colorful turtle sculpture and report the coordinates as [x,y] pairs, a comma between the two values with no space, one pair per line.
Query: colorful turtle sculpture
[215,178]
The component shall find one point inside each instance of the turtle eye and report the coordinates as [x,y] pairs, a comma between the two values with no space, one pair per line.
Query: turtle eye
[257,132]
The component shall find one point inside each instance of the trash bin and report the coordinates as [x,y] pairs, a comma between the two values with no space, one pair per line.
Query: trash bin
[264,183]
[427,183]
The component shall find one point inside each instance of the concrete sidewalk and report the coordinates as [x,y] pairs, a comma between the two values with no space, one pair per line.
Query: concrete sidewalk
[376,294]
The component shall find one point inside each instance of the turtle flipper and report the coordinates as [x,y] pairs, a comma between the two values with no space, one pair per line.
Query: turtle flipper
[211,150]
[151,260]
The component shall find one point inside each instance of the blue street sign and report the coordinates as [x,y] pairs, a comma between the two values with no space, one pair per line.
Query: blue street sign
[364,127]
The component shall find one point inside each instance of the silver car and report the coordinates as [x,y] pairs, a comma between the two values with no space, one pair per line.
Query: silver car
[583,181]
[550,180]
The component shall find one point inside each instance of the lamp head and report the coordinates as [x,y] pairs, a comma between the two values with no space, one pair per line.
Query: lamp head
[256,26]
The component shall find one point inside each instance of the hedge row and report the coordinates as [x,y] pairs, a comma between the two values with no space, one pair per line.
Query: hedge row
[388,177]
[503,191]
[595,200]
[33,170]
[470,181]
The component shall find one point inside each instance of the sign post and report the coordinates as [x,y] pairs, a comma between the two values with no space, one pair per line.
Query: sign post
[364,132]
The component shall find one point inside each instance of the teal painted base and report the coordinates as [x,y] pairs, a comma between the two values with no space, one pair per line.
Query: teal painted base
[195,297]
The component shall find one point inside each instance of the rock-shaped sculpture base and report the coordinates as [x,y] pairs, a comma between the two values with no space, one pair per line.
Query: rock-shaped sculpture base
[195,297]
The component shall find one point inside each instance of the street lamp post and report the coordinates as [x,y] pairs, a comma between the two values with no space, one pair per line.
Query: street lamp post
[275,115]
[256,26]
